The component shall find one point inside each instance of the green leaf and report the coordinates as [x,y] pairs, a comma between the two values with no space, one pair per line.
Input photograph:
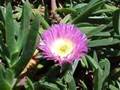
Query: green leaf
[85,24]
[105,66]
[2,17]
[103,11]
[30,46]
[74,66]
[92,62]
[4,53]
[45,86]
[61,85]
[43,22]
[84,62]
[68,77]
[70,81]
[100,70]
[103,42]
[80,6]
[96,30]
[91,7]
[66,10]
[95,56]
[29,85]
[25,25]
[103,72]
[84,87]
[7,80]
[42,19]
[116,21]
[97,80]
[93,30]
[66,19]
[72,85]
[87,29]
[118,84]
[10,77]
[111,7]
[10,30]
[103,34]
[51,81]
[111,87]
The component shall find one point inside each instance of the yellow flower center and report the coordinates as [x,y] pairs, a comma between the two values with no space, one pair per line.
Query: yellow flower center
[62,47]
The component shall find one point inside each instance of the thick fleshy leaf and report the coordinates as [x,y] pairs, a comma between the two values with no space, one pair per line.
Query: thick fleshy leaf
[105,68]
[66,19]
[2,17]
[116,21]
[25,25]
[10,31]
[111,87]
[92,5]
[103,42]
[91,30]
[66,10]
[29,85]
[30,46]
[84,62]
[7,79]
[97,80]
[70,81]
[92,62]
[83,85]
[46,86]
[42,20]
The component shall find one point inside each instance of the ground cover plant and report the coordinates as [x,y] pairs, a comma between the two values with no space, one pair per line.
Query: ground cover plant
[59,45]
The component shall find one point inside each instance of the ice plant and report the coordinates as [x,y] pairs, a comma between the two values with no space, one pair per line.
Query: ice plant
[63,43]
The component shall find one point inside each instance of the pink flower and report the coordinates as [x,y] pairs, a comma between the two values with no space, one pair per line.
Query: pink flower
[63,43]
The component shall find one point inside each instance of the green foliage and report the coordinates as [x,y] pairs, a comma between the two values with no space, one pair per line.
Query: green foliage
[51,82]
[25,40]
[10,31]
[19,29]
[6,78]
[93,5]
[29,85]
[116,21]
[18,44]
